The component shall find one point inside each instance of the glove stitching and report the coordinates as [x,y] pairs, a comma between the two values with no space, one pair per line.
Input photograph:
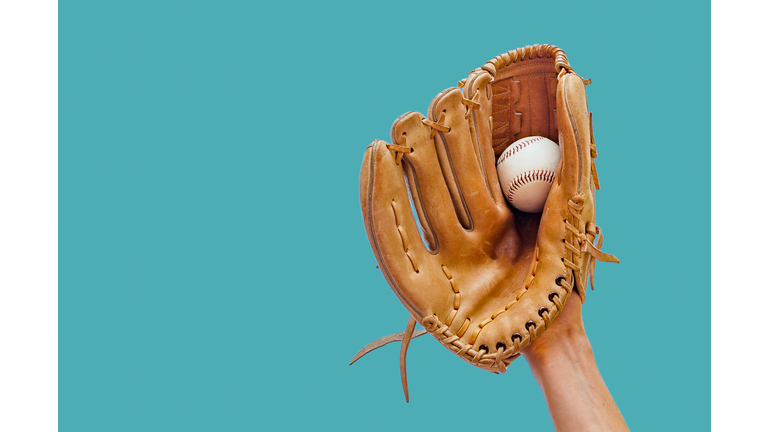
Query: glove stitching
[404,239]
[535,75]
[495,362]
[520,295]
[457,295]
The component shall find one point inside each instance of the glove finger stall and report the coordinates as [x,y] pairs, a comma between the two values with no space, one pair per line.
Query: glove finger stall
[478,91]
[459,159]
[426,185]
[403,259]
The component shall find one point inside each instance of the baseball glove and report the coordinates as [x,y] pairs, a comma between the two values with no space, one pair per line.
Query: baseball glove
[482,278]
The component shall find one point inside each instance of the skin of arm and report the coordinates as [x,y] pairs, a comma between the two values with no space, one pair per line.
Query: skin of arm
[563,364]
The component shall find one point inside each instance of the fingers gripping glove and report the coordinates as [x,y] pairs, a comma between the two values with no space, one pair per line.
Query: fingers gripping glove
[482,278]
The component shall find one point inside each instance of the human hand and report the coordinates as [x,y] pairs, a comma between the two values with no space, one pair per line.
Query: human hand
[565,338]
[563,364]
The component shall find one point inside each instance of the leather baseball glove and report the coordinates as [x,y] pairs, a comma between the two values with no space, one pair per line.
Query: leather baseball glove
[482,278]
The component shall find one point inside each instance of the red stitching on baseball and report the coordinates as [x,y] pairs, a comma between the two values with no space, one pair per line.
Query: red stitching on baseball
[528,177]
[521,145]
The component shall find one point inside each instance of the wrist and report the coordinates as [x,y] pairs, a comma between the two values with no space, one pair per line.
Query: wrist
[571,346]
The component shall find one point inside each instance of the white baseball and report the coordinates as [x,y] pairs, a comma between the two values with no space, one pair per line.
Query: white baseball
[526,171]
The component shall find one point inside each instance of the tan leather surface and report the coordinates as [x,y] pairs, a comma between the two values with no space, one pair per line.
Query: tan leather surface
[486,279]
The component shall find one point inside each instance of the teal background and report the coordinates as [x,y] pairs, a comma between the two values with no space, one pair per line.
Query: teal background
[214,270]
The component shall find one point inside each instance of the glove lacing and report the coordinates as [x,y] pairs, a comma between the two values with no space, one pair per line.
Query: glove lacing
[582,242]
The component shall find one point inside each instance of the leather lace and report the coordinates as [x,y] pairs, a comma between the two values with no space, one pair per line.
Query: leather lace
[402,149]
[583,244]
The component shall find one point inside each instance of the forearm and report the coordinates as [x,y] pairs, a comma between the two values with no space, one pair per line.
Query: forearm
[576,395]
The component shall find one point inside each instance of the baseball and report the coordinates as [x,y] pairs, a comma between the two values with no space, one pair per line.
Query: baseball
[526,170]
